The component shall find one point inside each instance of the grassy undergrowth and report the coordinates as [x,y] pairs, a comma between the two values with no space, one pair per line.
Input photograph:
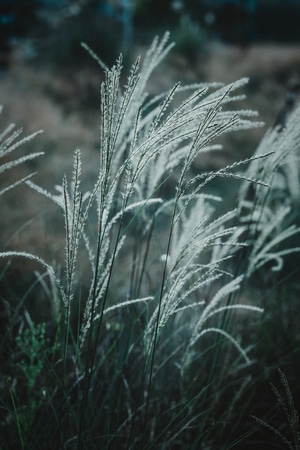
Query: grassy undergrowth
[170,334]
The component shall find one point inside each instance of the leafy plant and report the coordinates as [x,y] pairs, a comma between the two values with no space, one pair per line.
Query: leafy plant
[30,343]
[35,348]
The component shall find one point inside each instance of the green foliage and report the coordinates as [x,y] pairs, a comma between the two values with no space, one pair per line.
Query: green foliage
[33,345]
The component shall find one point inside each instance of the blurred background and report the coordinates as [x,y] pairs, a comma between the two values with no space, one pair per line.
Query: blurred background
[216,40]
[120,24]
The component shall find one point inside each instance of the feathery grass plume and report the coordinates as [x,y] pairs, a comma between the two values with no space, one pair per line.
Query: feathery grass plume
[139,150]
[171,256]
[9,142]
[270,213]
[185,274]
[280,170]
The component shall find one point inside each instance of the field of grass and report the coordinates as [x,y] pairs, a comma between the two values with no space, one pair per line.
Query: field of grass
[148,311]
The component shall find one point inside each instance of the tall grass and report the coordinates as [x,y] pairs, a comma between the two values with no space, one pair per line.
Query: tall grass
[152,354]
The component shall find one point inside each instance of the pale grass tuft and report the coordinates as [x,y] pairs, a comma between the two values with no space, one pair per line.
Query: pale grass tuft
[9,142]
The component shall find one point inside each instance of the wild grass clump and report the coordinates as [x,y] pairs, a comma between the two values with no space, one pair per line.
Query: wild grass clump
[152,354]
